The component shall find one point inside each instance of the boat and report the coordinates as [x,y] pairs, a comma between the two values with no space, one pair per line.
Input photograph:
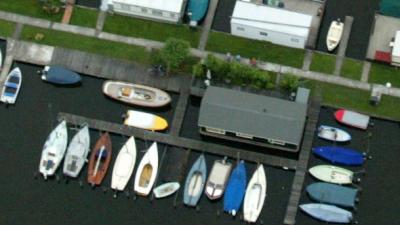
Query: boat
[124,165]
[339,155]
[136,94]
[145,121]
[166,189]
[195,182]
[255,195]
[235,189]
[332,194]
[147,171]
[53,150]
[77,152]
[333,134]
[332,174]
[218,178]
[11,86]
[327,213]
[334,34]
[60,75]
[352,118]
[196,11]
[99,160]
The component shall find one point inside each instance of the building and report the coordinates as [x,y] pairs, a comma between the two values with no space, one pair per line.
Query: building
[167,11]
[396,50]
[252,119]
[276,25]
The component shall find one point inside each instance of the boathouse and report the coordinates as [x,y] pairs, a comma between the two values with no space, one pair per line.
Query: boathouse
[276,25]
[253,119]
[167,11]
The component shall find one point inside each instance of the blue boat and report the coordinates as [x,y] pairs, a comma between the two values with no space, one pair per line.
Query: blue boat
[60,75]
[195,182]
[327,213]
[236,189]
[196,10]
[332,194]
[340,155]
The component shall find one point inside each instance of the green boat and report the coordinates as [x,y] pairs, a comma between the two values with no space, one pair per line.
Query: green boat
[196,10]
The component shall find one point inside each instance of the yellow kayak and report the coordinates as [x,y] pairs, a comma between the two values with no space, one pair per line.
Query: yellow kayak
[145,120]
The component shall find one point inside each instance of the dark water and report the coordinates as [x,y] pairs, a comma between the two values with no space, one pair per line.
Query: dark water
[89,3]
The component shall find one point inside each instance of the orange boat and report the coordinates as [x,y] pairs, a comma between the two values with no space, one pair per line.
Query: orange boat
[99,160]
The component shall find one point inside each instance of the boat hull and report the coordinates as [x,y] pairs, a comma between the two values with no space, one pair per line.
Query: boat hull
[255,195]
[195,182]
[166,189]
[59,75]
[333,134]
[352,118]
[11,87]
[217,179]
[124,165]
[99,160]
[340,155]
[147,171]
[332,174]
[332,194]
[77,153]
[327,213]
[145,121]
[235,189]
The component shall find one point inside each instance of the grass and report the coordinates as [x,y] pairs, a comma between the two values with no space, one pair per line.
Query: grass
[352,69]
[29,8]
[84,17]
[323,63]
[261,50]
[88,44]
[152,30]
[381,74]
[6,28]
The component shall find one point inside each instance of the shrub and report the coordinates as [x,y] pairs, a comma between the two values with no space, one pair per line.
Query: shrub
[174,53]
[290,82]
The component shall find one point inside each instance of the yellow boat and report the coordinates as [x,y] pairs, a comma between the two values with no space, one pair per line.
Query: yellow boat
[145,121]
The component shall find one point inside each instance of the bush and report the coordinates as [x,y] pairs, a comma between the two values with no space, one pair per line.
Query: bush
[290,82]
[174,53]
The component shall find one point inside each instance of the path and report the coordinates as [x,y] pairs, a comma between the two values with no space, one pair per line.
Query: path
[207,24]
[69,7]
[348,22]
[307,60]
[101,19]
[365,72]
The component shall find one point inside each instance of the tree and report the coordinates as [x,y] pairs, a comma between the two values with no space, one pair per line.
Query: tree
[174,53]
[290,82]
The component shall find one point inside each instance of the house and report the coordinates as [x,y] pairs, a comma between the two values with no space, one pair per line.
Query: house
[276,25]
[163,10]
[395,59]
[253,119]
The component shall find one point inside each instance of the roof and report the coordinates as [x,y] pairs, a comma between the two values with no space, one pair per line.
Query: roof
[165,5]
[396,47]
[270,18]
[256,115]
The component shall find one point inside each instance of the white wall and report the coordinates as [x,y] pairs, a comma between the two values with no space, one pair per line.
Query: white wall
[138,11]
[275,37]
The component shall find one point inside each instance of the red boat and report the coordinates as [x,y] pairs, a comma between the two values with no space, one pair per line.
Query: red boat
[99,160]
[352,118]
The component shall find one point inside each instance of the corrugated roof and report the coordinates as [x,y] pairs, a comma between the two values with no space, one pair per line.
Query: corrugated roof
[165,5]
[257,115]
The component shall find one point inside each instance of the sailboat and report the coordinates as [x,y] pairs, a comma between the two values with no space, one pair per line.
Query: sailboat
[11,87]
[332,174]
[327,213]
[77,152]
[147,171]
[236,189]
[99,160]
[195,181]
[124,164]
[255,195]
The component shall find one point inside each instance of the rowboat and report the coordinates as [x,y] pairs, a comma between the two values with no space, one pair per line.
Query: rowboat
[145,121]
[166,189]
[147,171]
[77,152]
[53,150]
[332,174]
[255,195]
[216,182]
[340,155]
[11,87]
[124,164]
[136,94]
[235,189]
[332,194]
[99,160]
[333,134]
[334,34]
[352,118]
[195,181]
[196,10]
[327,213]
[60,75]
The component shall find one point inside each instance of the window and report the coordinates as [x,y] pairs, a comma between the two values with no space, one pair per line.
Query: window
[295,40]
[274,142]
[125,7]
[263,33]
[240,28]
[144,10]
[157,12]
[215,130]
[244,135]
[172,15]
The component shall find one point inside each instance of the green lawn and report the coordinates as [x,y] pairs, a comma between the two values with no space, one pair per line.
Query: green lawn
[261,50]
[84,17]
[88,44]
[148,29]
[323,63]
[28,8]
[352,69]
[6,28]
[381,74]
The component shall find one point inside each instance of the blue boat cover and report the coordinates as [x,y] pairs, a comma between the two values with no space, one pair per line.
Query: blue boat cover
[59,75]
[103,155]
[340,155]
[332,194]
[199,168]
[11,85]
[9,94]
[198,9]
[235,189]
[327,213]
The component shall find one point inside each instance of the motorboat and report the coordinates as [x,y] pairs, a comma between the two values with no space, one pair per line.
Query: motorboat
[196,11]
[195,182]
[77,152]
[166,189]
[59,75]
[218,178]
[11,87]
[145,121]
[352,118]
[100,159]
[333,134]
[332,194]
[334,34]
[124,165]
[146,172]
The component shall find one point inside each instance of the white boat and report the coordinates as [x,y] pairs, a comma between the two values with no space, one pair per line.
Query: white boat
[166,189]
[147,171]
[11,86]
[145,120]
[255,195]
[218,178]
[333,134]
[352,118]
[77,152]
[332,174]
[54,150]
[124,165]
[334,34]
